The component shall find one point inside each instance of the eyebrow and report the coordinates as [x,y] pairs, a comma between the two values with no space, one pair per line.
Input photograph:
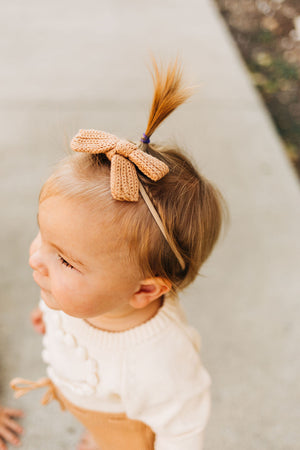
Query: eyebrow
[63,252]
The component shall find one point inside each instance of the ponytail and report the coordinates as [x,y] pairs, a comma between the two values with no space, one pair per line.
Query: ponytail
[169,93]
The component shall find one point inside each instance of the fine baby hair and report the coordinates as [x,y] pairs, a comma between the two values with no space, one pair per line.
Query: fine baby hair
[190,209]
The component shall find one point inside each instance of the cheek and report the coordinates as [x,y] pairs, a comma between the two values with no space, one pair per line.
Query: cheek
[74,295]
[64,284]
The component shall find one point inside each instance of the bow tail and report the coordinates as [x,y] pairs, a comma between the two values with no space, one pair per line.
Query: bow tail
[123,179]
[22,386]
[150,166]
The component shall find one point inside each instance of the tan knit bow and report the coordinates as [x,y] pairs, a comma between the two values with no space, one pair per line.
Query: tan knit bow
[124,156]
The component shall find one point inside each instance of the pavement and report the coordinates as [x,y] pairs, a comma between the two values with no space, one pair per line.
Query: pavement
[69,65]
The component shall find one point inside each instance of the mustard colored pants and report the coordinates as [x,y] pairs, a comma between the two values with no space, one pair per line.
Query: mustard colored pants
[111,431]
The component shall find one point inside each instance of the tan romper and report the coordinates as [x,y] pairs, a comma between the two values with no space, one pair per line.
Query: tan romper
[111,431]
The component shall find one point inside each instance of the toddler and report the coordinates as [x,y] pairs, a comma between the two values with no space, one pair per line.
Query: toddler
[123,228]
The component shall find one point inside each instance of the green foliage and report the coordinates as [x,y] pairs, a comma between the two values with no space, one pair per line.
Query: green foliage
[262,36]
[283,69]
[275,76]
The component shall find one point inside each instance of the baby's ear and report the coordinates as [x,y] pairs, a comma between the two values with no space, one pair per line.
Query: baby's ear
[149,290]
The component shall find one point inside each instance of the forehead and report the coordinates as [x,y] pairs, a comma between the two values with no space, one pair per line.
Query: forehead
[74,224]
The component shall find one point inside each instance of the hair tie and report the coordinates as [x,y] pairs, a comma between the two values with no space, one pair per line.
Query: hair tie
[145,139]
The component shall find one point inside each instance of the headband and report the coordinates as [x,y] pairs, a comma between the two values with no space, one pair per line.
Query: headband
[124,182]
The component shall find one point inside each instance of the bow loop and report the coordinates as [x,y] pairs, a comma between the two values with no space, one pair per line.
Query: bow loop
[93,141]
[124,156]
[22,386]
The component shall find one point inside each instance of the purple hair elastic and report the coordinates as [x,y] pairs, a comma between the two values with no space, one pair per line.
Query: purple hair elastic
[145,139]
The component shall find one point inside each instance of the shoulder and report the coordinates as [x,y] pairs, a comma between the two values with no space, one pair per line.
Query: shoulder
[173,352]
[169,364]
[165,383]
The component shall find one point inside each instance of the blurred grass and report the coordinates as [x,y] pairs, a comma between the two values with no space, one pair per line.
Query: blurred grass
[276,77]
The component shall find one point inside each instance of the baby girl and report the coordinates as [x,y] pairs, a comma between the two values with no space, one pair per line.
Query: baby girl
[123,228]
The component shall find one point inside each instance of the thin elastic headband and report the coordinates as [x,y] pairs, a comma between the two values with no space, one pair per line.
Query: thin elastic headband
[158,220]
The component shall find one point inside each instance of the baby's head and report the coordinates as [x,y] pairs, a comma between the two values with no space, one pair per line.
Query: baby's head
[164,235]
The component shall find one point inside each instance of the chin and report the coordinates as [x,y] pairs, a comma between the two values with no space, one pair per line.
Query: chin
[76,314]
[48,299]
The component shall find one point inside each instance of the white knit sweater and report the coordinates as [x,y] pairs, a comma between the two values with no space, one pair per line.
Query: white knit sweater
[152,372]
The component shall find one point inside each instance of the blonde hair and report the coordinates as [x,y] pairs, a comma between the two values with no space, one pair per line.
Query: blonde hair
[190,207]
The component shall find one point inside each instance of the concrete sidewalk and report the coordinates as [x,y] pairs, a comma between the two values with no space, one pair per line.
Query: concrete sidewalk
[68,65]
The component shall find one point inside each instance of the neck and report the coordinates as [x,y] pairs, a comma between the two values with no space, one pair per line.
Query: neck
[125,318]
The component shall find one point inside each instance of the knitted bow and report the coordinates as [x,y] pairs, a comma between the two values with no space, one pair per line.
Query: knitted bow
[124,156]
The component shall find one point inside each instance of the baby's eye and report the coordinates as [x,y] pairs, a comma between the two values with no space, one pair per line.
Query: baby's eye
[64,262]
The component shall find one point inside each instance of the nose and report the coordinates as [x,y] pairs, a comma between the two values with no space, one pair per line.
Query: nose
[37,263]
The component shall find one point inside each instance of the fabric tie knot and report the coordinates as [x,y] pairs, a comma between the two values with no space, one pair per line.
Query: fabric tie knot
[22,386]
[125,157]
[125,148]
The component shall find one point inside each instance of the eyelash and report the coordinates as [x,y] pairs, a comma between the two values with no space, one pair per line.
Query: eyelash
[64,262]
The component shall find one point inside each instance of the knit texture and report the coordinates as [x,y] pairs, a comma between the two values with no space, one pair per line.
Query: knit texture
[152,372]
[124,157]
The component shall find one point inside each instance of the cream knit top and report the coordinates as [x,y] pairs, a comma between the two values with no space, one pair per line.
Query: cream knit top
[151,372]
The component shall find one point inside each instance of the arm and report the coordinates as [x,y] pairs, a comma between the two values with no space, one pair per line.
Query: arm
[183,420]
[169,391]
